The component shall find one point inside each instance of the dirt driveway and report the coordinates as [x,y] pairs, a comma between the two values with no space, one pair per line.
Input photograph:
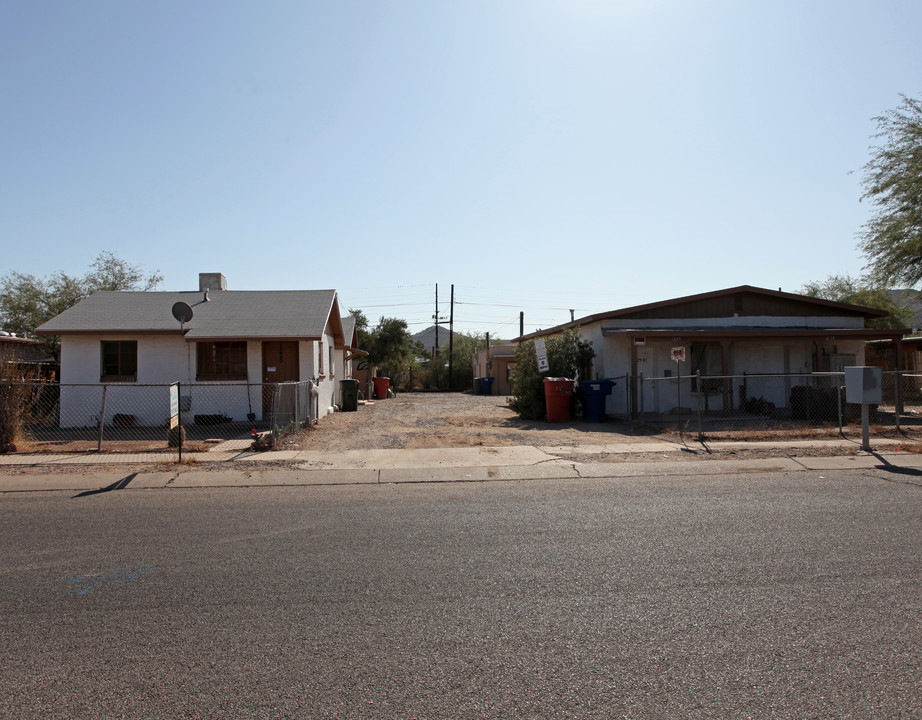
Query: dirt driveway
[450,420]
[435,420]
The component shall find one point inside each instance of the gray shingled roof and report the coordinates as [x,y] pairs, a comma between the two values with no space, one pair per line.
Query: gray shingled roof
[227,314]
[349,329]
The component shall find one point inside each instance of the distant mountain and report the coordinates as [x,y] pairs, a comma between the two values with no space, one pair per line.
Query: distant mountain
[911,299]
[427,337]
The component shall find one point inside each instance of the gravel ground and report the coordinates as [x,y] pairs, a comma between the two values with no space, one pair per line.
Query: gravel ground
[449,420]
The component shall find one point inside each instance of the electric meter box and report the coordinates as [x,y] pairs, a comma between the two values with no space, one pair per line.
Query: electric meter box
[864,384]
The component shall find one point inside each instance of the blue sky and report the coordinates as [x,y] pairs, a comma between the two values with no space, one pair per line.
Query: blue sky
[540,155]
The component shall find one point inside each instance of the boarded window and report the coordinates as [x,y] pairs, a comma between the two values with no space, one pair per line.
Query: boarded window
[119,360]
[221,361]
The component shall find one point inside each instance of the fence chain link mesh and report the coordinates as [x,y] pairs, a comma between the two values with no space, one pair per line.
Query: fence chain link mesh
[135,418]
[784,403]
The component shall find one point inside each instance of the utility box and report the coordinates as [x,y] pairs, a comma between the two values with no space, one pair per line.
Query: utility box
[864,384]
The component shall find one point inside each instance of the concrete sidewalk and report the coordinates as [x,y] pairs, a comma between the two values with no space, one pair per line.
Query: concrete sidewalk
[77,473]
[422,457]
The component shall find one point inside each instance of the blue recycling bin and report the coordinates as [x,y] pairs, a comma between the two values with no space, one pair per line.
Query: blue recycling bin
[486,385]
[594,394]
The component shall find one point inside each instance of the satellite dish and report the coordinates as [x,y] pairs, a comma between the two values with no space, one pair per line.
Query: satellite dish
[182,312]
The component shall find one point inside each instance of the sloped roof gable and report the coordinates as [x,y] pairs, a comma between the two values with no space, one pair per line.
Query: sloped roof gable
[227,314]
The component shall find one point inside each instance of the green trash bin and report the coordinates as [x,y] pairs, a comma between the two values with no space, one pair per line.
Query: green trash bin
[349,390]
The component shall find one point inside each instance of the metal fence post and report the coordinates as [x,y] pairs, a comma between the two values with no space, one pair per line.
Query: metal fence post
[179,428]
[297,413]
[102,418]
[839,398]
[627,396]
[700,434]
[897,409]
[643,419]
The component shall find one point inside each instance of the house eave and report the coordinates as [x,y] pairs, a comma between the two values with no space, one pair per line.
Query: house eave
[758,333]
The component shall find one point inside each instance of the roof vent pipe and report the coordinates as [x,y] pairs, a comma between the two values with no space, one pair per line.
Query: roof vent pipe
[206,294]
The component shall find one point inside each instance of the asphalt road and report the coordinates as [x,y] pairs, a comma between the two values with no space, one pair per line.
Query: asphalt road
[752,596]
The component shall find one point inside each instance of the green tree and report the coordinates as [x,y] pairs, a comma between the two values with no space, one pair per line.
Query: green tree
[388,347]
[892,239]
[27,301]
[110,272]
[567,356]
[844,288]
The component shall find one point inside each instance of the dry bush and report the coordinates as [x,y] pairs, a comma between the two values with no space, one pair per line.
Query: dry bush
[14,401]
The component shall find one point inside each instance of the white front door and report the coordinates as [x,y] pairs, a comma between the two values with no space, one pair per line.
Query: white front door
[646,400]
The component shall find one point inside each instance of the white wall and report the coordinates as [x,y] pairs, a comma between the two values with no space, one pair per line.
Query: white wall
[163,360]
[327,384]
[613,362]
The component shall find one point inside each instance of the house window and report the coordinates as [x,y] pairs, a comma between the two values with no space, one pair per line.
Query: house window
[119,360]
[707,358]
[221,361]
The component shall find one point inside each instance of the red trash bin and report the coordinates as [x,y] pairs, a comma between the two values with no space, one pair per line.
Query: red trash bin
[557,393]
[381,384]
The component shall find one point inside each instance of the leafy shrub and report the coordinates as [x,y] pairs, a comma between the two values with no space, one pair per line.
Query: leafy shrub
[567,356]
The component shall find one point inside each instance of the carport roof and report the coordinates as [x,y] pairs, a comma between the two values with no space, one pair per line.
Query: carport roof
[744,300]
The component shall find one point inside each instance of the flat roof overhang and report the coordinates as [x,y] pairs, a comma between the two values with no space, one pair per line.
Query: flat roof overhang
[759,333]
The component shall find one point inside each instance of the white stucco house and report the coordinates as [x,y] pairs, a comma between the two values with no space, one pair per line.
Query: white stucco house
[234,343]
[735,332]
[347,352]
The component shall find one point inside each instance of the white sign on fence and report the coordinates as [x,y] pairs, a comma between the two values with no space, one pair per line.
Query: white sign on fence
[174,405]
[541,350]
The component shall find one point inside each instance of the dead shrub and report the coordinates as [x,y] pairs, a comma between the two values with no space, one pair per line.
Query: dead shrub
[14,401]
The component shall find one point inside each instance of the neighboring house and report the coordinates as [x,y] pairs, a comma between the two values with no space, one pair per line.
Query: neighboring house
[235,342]
[24,359]
[882,353]
[496,361]
[346,354]
[734,332]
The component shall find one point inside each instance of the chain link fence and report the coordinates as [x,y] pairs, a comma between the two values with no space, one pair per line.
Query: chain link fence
[791,402]
[46,417]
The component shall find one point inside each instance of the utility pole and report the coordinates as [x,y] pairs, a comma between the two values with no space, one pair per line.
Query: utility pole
[436,319]
[451,334]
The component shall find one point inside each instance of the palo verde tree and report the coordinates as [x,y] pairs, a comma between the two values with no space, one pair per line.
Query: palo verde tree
[567,356]
[27,301]
[844,288]
[892,239]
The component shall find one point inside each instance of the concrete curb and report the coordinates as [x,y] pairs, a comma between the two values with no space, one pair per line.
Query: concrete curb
[524,464]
